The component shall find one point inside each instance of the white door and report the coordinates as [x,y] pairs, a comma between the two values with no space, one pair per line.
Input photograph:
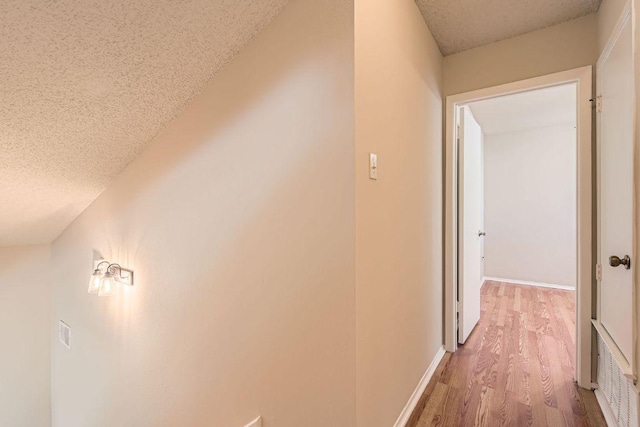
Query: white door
[470,214]
[615,108]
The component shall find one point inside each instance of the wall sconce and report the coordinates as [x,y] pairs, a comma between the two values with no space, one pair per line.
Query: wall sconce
[105,280]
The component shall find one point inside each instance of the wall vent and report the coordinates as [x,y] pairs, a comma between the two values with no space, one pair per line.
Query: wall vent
[616,390]
[64,334]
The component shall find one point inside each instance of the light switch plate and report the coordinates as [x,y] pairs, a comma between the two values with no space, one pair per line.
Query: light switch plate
[64,334]
[255,423]
[373,166]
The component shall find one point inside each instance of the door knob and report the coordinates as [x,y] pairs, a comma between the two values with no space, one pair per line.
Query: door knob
[615,261]
[481,233]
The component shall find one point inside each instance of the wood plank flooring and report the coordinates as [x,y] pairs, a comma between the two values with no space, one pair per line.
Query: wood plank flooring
[516,368]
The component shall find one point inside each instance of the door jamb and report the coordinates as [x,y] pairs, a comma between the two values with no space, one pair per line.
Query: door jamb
[582,77]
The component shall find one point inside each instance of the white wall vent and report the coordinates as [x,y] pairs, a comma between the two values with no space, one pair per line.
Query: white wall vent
[64,334]
[616,394]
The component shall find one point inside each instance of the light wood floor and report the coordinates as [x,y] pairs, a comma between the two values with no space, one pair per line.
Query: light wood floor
[516,368]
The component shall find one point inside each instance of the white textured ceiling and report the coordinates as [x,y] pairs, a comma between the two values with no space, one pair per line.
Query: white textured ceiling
[87,84]
[459,25]
[527,110]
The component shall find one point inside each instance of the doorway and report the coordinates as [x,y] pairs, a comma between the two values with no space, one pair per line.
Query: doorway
[465,231]
[517,195]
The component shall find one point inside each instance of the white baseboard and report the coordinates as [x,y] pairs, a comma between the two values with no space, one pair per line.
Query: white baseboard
[417,393]
[606,409]
[528,283]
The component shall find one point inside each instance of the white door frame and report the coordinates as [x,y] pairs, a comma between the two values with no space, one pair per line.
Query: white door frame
[582,77]
[628,367]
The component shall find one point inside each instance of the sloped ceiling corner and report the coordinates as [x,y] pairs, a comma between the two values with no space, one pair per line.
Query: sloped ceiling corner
[87,84]
[459,25]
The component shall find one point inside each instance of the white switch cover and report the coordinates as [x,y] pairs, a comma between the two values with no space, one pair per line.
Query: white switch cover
[373,166]
[255,423]
[64,334]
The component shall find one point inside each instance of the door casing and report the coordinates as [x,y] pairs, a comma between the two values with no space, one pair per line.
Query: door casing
[628,365]
[582,77]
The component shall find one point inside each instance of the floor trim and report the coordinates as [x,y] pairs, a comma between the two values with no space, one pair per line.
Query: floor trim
[528,283]
[417,393]
[606,409]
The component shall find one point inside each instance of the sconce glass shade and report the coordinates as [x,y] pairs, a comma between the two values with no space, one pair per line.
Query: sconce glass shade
[94,282]
[107,285]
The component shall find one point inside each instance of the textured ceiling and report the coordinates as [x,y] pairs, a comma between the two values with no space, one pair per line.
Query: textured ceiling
[527,110]
[87,84]
[459,25]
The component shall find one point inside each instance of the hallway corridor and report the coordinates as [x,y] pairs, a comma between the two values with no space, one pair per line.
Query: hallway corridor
[516,368]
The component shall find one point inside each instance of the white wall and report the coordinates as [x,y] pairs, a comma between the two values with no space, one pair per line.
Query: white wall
[25,327]
[560,47]
[530,205]
[398,100]
[238,221]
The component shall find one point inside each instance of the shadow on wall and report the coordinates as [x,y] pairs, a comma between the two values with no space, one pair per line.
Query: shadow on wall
[24,326]
[238,222]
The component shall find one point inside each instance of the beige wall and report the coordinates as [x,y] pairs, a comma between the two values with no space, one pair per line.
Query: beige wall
[25,329]
[608,15]
[239,223]
[561,47]
[398,104]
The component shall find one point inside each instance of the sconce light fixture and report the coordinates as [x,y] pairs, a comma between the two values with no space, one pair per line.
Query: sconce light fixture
[104,281]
